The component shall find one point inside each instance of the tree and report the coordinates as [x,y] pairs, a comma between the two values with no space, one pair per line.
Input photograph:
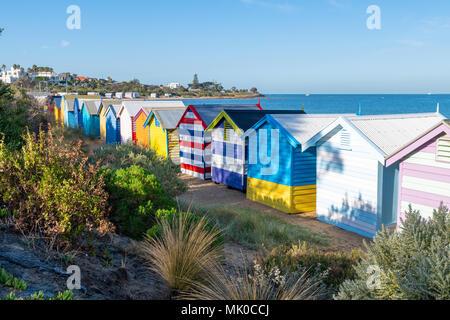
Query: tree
[195,83]
[254,90]
[1,31]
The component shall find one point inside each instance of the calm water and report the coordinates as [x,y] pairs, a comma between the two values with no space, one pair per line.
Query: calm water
[370,104]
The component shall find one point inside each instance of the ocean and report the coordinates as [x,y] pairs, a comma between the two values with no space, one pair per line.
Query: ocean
[345,103]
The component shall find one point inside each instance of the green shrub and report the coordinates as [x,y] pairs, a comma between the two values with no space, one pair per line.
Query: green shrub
[135,197]
[338,266]
[17,112]
[8,280]
[51,190]
[123,156]
[39,296]
[410,264]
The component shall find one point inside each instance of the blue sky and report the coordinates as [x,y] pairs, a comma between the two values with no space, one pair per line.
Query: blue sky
[286,46]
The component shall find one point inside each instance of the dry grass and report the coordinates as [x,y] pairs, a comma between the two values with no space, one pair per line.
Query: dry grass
[184,253]
[256,284]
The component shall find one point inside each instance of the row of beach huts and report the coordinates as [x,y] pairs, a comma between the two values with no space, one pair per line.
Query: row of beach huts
[358,173]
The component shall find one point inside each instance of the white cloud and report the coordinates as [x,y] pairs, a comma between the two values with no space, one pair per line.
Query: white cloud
[412,43]
[65,43]
[286,7]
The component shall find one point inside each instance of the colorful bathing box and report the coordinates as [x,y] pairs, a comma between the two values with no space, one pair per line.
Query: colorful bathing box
[112,124]
[129,111]
[281,168]
[356,191]
[229,158]
[163,134]
[195,142]
[424,172]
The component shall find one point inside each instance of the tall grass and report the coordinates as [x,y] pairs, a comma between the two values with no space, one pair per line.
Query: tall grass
[256,284]
[255,229]
[184,252]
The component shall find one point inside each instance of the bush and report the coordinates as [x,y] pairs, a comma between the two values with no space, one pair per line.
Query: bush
[135,197]
[17,112]
[338,266]
[183,253]
[51,191]
[257,284]
[123,156]
[412,264]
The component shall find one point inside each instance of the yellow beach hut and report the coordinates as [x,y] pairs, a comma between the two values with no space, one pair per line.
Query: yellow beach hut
[161,126]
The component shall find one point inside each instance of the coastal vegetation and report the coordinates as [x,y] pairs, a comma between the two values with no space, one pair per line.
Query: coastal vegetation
[71,82]
[256,229]
[413,264]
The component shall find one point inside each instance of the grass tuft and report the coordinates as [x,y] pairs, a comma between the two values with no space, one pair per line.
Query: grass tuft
[183,252]
[256,284]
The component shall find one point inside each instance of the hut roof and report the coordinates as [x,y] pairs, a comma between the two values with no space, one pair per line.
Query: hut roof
[92,106]
[168,118]
[133,107]
[242,120]
[208,112]
[299,128]
[391,132]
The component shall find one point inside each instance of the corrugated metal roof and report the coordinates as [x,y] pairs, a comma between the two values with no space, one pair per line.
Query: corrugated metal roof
[133,107]
[70,104]
[305,126]
[169,118]
[391,132]
[208,112]
[245,119]
[115,108]
[92,106]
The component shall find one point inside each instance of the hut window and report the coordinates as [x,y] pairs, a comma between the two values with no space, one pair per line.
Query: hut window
[443,150]
[345,140]
[226,129]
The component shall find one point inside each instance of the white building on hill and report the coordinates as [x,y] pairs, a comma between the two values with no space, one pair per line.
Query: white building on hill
[11,75]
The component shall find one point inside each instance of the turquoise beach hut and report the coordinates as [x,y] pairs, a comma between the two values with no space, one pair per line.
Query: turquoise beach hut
[90,118]
[355,189]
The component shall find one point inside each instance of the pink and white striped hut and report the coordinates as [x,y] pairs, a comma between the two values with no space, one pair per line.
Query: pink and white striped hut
[424,172]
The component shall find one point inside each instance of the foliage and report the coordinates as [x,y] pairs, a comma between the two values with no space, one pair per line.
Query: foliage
[17,112]
[51,190]
[183,253]
[256,229]
[257,284]
[123,156]
[135,196]
[174,214]
[8,280]
[61,296]
[338,266]
[413,264]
